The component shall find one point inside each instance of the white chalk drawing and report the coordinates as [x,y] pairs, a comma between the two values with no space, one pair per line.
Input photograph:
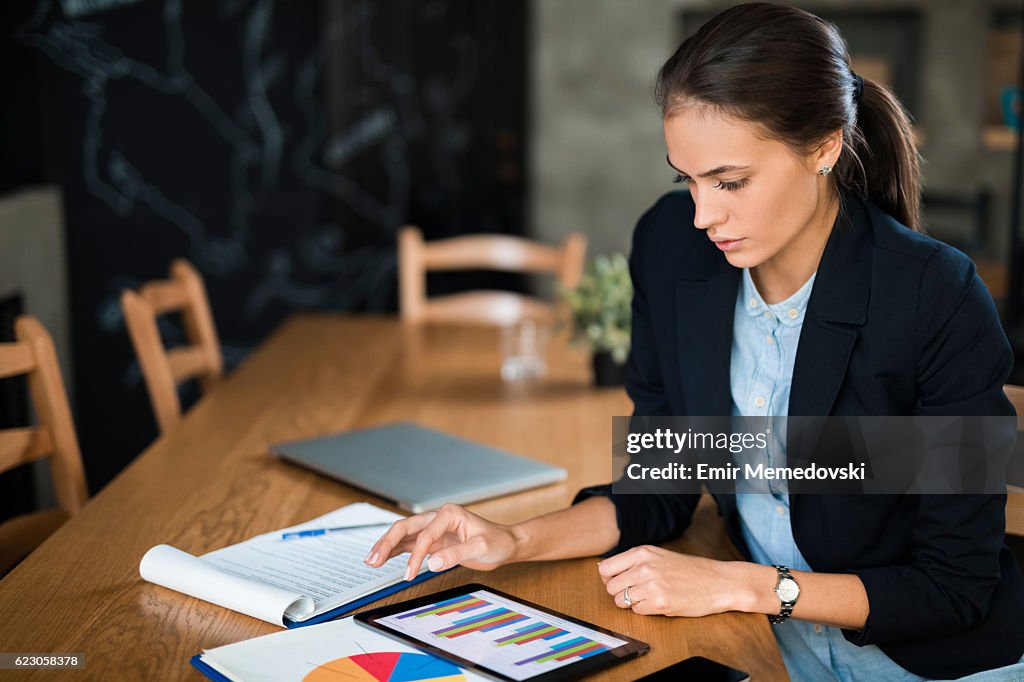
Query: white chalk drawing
[374,127]
[265,146]
[81,8]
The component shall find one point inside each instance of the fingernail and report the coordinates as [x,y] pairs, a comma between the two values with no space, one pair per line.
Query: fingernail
[435,563]
[373,558]
[408,574]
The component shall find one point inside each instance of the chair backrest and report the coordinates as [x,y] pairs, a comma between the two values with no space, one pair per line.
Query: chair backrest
[1015,495]
[163,369]
[484,251]
[33,354]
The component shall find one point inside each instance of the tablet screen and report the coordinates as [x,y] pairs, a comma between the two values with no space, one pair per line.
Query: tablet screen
[501,634]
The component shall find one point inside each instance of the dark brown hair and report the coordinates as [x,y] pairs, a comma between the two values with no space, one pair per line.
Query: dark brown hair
[788,71]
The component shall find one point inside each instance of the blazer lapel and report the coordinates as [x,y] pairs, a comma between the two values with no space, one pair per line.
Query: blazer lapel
[821,361]
[837,308]
[835,312]
[704,318]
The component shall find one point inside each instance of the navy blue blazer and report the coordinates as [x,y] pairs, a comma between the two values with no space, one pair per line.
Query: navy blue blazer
[897,324]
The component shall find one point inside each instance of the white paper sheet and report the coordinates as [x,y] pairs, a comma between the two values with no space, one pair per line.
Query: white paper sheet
[333,647]
[270,578]
[180,571]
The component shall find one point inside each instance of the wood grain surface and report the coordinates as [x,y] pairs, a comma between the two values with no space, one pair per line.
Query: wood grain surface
[210,482]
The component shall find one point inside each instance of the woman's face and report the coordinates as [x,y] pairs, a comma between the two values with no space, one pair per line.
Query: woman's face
[756,199]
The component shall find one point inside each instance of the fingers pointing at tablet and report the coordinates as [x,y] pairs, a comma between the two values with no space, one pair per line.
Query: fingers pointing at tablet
[451,536]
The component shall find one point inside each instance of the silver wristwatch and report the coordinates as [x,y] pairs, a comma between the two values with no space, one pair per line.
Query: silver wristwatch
[788,591]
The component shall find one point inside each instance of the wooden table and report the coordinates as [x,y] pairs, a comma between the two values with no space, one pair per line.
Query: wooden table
[211,483]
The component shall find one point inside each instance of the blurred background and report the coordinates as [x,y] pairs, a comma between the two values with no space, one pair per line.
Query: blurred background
[280,146]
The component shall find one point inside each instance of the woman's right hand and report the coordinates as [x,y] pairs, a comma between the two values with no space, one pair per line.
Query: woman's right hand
[451,536]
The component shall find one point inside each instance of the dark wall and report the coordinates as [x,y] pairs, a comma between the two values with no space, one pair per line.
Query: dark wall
[277,145]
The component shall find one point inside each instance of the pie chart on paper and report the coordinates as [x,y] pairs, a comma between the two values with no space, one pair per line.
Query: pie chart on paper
[386,666]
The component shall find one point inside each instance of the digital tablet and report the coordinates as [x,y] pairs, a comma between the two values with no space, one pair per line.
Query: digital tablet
[502,636]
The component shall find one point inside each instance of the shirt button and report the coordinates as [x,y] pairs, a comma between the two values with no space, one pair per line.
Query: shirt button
[780,510]
[767,314]
[753,303]
[759,401]
[792,313]
[769,339]
[818,628]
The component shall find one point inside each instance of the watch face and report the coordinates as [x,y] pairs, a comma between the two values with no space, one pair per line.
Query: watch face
[788,590]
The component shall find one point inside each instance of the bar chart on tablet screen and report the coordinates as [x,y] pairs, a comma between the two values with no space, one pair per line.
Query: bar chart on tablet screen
[507,637]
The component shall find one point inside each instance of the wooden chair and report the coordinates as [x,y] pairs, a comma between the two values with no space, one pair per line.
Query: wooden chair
[164,369]
[494,252]
[54,438]
[1015,494]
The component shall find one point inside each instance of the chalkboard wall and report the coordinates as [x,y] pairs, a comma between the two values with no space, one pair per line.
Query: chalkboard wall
[277,145]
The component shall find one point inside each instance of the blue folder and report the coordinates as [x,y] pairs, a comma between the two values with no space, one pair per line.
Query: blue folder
[199,665]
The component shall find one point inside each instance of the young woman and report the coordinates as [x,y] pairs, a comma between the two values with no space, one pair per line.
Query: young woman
[792,279]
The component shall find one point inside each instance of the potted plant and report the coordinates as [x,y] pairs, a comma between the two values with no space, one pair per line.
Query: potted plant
[601,315]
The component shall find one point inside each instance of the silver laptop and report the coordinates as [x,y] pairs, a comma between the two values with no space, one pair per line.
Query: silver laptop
[416,467]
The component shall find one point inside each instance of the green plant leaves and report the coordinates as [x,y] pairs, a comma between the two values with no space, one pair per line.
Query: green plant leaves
[601,306]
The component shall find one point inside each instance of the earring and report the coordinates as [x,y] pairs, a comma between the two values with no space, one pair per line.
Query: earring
[825,170]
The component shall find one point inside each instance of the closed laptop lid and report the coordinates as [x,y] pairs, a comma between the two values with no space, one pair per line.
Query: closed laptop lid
[417,467]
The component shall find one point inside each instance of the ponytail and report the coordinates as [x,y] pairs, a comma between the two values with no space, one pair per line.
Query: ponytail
[880,159]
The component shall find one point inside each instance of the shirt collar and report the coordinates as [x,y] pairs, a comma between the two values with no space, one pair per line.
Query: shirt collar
[790,312]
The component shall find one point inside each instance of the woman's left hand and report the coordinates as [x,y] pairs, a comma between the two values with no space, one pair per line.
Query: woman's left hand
[672,584]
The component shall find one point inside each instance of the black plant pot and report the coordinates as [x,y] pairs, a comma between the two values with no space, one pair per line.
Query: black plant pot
[607,372]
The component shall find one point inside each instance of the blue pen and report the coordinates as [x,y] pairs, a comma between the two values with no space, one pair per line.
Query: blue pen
[315,532]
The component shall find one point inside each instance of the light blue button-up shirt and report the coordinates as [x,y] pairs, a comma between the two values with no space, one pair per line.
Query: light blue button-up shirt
[765,339]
